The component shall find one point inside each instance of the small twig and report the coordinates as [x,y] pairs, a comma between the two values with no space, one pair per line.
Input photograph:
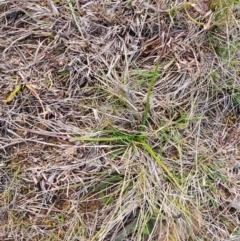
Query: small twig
[49,134]
[36,95]
[11,144]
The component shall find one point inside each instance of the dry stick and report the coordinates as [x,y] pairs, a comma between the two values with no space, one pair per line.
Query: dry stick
[30,88]
[11,144]
[37,96]
[49,134]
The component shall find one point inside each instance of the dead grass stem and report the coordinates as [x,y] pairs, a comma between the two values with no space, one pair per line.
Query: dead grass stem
[72,162]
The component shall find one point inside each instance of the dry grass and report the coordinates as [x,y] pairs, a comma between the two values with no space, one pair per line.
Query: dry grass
[74,82]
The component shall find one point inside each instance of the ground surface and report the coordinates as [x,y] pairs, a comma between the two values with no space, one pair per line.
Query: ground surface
[88,151]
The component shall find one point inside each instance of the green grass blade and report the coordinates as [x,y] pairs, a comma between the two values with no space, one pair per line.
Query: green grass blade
[99,139]
[160,163]
[145,114]
[14,92]
[74,16]
[115,135]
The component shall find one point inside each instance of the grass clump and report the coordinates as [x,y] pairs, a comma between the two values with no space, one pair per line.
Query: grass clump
[135,138]
[129,129]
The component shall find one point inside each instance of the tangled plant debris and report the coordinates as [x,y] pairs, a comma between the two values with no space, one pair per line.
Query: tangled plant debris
[84,84]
